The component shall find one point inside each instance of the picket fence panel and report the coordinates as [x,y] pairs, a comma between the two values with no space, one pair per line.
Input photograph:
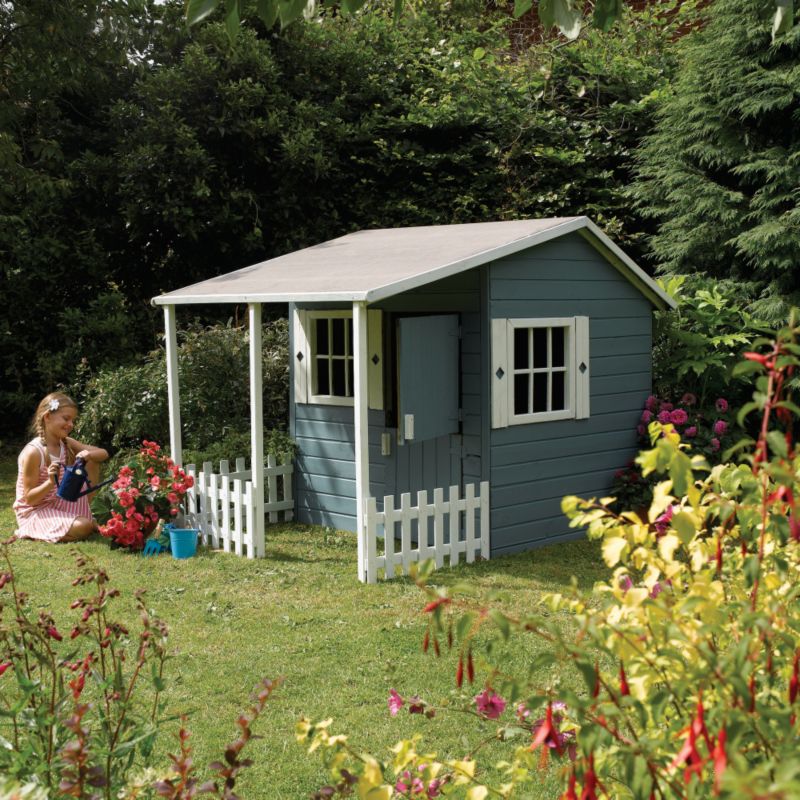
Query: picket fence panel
[220,504]
[381,551]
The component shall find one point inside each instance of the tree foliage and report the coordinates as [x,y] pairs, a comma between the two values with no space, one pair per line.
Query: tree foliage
[721,170]
[191,157]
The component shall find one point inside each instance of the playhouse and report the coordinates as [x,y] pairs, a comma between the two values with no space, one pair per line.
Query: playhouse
[450,384]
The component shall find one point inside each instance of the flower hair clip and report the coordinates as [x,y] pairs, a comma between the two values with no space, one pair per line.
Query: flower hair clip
[54,404]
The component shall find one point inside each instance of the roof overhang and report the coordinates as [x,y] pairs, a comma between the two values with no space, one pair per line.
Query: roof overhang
[369,266]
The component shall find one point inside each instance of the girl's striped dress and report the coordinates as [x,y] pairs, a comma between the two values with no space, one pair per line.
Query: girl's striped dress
[53,517]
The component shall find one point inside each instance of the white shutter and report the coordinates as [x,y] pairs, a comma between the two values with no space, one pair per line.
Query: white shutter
[582,368]
[499,383]
[375,365]
[301,355]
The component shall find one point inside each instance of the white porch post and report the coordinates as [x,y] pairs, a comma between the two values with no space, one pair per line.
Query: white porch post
[173,393]
[361,430]
[256,430]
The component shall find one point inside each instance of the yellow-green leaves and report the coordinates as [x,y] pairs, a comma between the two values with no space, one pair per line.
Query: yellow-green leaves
[613,548]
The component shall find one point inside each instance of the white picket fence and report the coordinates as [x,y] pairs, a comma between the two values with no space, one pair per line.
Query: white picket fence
[435,538]
[220,504]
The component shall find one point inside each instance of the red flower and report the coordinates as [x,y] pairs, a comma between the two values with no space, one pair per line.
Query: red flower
[4,666]
[434,604]
[53,633]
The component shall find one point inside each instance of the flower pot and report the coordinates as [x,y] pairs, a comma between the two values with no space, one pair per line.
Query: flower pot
[183,542]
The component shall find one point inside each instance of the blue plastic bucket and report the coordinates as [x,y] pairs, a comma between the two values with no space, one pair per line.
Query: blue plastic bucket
[183,542]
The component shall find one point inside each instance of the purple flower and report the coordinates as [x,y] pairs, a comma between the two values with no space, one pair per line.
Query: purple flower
[690,432]
[662,522]
[714,445]
[416,705]
[651,402]
[656,590]
[688,399]
[522,712]
[490,705]
[720,426]
[647,415]
[665,417]
[722,405]
[395,702]
[625,583]
[678,417]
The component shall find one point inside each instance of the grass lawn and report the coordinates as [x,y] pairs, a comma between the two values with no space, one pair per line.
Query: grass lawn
[300,613]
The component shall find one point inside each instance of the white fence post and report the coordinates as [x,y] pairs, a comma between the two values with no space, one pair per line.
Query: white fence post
[485,532]
[371,570]
[452,507]
[225,505]
[438,527]
[469,521]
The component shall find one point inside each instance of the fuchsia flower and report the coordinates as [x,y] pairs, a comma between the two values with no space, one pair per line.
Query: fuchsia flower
[666,407]
[522,712]
[678,417]
[647,415]
[720,426]
[640,429]
[651,402]
[490,705]
[665,417]
[714,444]
[625,583]
[4,666]
[690,432]
[395,702]
[688,399]
[662,522]
[721,405]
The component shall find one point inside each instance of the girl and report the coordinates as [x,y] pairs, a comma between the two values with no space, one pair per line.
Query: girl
[41,514]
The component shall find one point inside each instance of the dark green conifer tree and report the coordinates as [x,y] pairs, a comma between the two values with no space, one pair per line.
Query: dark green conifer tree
[721,172]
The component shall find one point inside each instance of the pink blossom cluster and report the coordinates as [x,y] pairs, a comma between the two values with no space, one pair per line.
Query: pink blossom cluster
[689,421]
[150,488]
[414,785]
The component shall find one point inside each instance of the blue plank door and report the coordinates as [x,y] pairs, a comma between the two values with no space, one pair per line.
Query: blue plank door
[427,389]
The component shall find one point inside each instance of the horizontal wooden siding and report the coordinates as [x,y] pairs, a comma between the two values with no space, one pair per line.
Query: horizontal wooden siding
[533,466]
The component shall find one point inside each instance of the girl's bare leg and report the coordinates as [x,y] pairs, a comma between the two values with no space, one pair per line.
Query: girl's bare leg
[81,528]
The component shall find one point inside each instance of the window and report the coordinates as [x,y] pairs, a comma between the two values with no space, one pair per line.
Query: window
[323,364]
[540,370]
[332,354]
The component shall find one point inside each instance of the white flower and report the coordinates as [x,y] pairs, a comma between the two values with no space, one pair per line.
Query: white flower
[54,404]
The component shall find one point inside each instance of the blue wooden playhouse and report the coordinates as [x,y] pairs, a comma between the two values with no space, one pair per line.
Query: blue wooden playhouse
[450,384]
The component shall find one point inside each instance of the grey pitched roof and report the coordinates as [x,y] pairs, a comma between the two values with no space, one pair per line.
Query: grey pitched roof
[371,265]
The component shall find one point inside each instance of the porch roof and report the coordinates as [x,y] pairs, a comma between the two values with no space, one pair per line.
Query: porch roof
[371,265]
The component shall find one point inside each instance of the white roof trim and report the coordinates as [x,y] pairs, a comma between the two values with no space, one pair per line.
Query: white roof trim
[583,225]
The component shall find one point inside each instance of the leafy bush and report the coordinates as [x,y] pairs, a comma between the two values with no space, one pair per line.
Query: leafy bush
[78,715]
[690,652]
[707,429]
[124,406]
[697,345]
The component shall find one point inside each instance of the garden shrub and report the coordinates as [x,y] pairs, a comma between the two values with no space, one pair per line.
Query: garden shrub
[123,406]
[689,653]
[81,703]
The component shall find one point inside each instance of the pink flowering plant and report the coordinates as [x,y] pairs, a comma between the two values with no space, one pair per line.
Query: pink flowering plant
[708,429]
[149,488]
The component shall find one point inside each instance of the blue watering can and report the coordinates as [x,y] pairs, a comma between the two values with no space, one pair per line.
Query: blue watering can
[75,477]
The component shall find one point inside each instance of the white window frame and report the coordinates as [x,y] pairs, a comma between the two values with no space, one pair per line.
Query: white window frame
[304,344]
[576,354]
[329,399]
